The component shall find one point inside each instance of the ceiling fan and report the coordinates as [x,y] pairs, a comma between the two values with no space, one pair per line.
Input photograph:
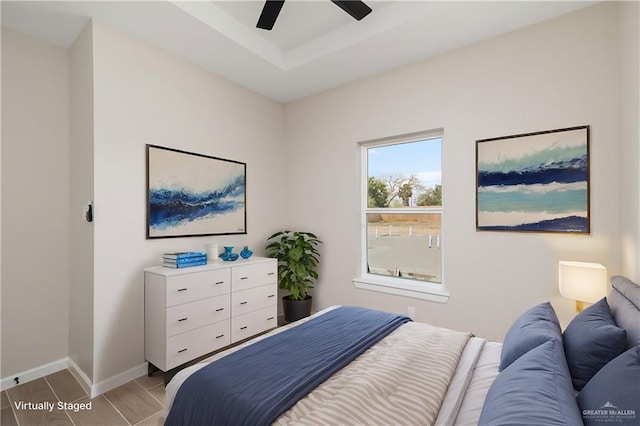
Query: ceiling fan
[271,10]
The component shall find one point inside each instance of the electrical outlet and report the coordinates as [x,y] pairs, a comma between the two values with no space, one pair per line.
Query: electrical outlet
[411,311]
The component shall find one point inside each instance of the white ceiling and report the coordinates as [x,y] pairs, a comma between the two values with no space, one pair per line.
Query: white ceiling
[314,45]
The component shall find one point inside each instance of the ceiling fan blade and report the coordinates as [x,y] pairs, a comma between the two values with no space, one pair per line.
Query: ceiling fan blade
[355,8]
[269,14]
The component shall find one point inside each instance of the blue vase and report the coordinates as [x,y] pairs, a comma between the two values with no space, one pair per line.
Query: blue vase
[228,255]
[246,253]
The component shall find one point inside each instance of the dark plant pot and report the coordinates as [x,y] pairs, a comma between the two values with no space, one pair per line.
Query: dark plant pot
[296,309]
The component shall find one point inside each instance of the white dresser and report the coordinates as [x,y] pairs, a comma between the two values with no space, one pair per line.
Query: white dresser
[191,312]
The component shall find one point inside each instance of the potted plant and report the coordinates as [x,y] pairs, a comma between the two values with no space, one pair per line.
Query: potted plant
[298,257]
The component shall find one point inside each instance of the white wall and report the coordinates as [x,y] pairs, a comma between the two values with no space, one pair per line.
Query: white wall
[556,74]
[144,95]
[629,89]
[35,203]
[1,351]
[81,191]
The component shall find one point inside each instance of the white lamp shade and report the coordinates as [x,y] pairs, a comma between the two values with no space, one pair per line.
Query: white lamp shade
[583,281]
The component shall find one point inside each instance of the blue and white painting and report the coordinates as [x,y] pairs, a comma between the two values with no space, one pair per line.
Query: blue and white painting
[194,195]
[536,182]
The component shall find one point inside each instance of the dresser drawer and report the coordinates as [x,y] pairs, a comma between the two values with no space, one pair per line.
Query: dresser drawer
[189,316]
[253,299]
[187,312]
[248,276]
[247,325]
[188,287]
[192,344]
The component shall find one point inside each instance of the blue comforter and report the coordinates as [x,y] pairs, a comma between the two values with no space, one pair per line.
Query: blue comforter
[255,385]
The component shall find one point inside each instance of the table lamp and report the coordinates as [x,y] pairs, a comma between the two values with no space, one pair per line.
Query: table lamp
[582,281]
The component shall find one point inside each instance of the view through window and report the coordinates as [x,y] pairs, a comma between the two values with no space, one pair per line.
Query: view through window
[404,209]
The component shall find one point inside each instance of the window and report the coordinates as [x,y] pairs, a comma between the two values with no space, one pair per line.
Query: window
[402,216]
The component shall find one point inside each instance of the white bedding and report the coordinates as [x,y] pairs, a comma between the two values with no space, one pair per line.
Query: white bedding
[460,381]
[454,394]
[485,372]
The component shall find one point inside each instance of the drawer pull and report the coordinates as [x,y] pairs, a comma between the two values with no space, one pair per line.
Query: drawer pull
[270,318]
[182,350]
[243,303]
[219,309]
[243,328]
[271,273]
[222,335]
[182,289]
[271,295]
[244,278]
[219,282]
[182,319]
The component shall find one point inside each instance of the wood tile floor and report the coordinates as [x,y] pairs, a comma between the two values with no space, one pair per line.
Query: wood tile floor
[137,403]
[57,400]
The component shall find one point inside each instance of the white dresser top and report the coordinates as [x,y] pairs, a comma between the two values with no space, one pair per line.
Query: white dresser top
[219,264]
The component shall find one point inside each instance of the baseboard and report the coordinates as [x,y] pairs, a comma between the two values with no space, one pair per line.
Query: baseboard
[118,380]
[34,373]
[90,388]
[80,376]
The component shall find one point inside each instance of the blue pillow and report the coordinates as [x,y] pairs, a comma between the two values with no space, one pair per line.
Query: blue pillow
[534,390]
[533,328]
[591,340]
[613,394]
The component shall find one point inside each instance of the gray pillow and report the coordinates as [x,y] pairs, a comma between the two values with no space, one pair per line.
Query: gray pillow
[624,300]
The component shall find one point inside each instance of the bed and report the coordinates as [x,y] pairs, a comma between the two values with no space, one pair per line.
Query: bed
[420,374]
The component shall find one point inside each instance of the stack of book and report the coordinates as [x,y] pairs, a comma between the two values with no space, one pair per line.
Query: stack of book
[184,259]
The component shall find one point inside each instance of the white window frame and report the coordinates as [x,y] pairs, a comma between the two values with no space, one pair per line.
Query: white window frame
[394,285]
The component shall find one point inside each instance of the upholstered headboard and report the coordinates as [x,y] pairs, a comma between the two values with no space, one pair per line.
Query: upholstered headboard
[624,301]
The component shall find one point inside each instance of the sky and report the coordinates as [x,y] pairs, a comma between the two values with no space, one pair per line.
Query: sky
[422,158]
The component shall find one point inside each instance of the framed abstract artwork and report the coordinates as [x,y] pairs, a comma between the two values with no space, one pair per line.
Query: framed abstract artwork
[192,195]
[534,182]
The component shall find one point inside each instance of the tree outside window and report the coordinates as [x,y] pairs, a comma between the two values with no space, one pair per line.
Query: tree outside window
[403,210]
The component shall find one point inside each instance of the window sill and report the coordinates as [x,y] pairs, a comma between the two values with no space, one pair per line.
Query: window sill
[402,287]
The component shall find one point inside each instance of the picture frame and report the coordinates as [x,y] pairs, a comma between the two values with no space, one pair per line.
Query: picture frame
[194,195]
[534,182]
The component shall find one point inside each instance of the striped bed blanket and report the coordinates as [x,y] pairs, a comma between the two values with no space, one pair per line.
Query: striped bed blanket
[402,379]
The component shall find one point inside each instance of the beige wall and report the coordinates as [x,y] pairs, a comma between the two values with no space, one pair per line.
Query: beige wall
[81,191]
[35,203]
[556,74]
[629,89]
[144,95]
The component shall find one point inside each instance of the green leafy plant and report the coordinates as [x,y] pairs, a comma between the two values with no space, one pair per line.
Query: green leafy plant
[298,258]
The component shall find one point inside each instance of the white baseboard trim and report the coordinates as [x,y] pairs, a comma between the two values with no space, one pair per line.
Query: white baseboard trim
[80,376]
[90,388]
[118,380]
[34,373]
